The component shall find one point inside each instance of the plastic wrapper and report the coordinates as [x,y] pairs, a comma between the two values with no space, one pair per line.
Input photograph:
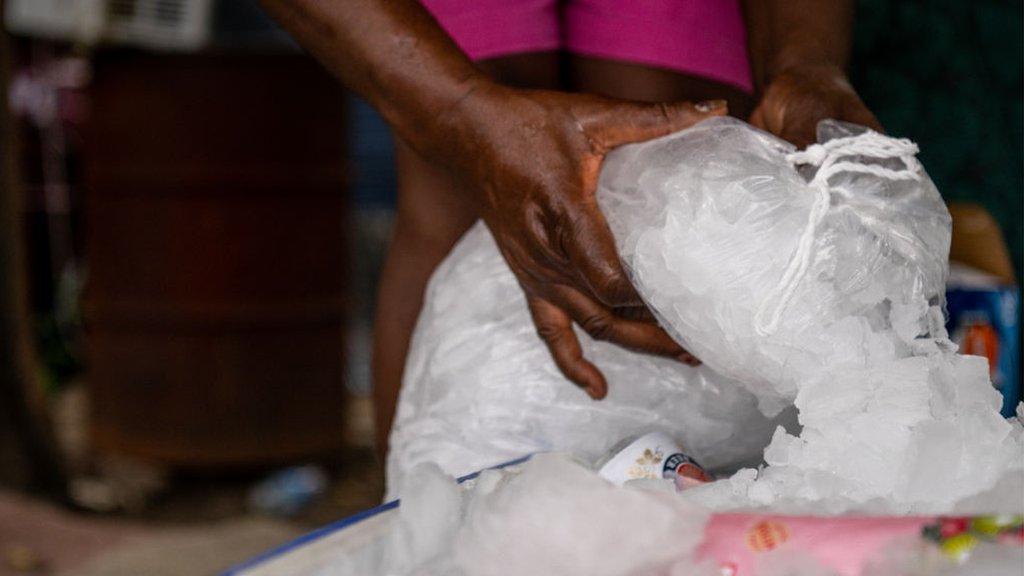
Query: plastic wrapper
[768,273]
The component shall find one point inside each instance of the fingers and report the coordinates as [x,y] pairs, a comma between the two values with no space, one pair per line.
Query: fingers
[602,324]
[638,313]
[757,118]
[793,111]
[554,325]
[587,239]
[590,247]
[628,123]
[555,328]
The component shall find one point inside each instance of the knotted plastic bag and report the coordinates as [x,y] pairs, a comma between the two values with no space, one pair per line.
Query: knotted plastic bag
[771,264]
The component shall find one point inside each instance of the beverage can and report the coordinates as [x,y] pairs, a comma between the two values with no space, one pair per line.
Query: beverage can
[651,456]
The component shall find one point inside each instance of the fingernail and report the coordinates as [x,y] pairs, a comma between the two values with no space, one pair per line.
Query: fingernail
[688,359]
[710,105]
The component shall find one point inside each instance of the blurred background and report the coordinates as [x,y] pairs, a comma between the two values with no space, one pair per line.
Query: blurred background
[192,219]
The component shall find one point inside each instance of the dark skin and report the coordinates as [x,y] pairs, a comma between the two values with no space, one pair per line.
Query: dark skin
[800,49]
[432,212]
[528,160]
[531,157]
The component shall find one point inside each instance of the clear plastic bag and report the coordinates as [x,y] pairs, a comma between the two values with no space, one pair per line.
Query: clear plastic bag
[770,264]
[480,387]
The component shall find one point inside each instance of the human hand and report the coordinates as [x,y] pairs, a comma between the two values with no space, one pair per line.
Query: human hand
[799,97]
[534,158]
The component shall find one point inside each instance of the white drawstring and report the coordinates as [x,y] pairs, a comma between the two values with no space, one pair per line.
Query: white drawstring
[829,157]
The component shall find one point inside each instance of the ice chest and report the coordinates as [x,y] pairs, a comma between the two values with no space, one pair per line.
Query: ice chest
[737,543]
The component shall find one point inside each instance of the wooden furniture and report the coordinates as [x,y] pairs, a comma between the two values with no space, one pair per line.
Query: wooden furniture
[215,300]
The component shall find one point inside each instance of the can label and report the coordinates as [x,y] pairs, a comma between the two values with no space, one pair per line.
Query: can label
[654,455]
[684,471]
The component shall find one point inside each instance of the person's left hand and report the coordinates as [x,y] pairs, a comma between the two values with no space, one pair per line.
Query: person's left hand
[801,96]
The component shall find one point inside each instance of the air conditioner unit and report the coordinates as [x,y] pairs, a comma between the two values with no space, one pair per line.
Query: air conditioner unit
[160,24]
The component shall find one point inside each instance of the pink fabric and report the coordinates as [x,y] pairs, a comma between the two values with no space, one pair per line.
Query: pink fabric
[491,28]
[700,37]
[738,542]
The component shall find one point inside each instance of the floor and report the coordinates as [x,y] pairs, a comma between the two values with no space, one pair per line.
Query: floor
[171,523]
[39,538]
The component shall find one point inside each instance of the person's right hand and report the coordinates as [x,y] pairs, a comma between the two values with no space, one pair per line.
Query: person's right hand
[534,158]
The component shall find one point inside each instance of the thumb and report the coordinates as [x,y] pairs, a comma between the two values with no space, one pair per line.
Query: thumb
[628,123]
[757,117]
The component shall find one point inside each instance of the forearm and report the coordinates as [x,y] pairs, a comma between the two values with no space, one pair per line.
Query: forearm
[392,53]
[787,33]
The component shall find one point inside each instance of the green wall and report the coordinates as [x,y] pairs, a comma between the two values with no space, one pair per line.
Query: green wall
[947,74]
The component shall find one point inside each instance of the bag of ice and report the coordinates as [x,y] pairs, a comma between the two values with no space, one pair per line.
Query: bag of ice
[766,276]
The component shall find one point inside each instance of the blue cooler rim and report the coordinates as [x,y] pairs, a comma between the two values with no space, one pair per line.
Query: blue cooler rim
[339,525]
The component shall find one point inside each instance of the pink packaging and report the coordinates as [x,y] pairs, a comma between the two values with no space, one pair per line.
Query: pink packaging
[737,542]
